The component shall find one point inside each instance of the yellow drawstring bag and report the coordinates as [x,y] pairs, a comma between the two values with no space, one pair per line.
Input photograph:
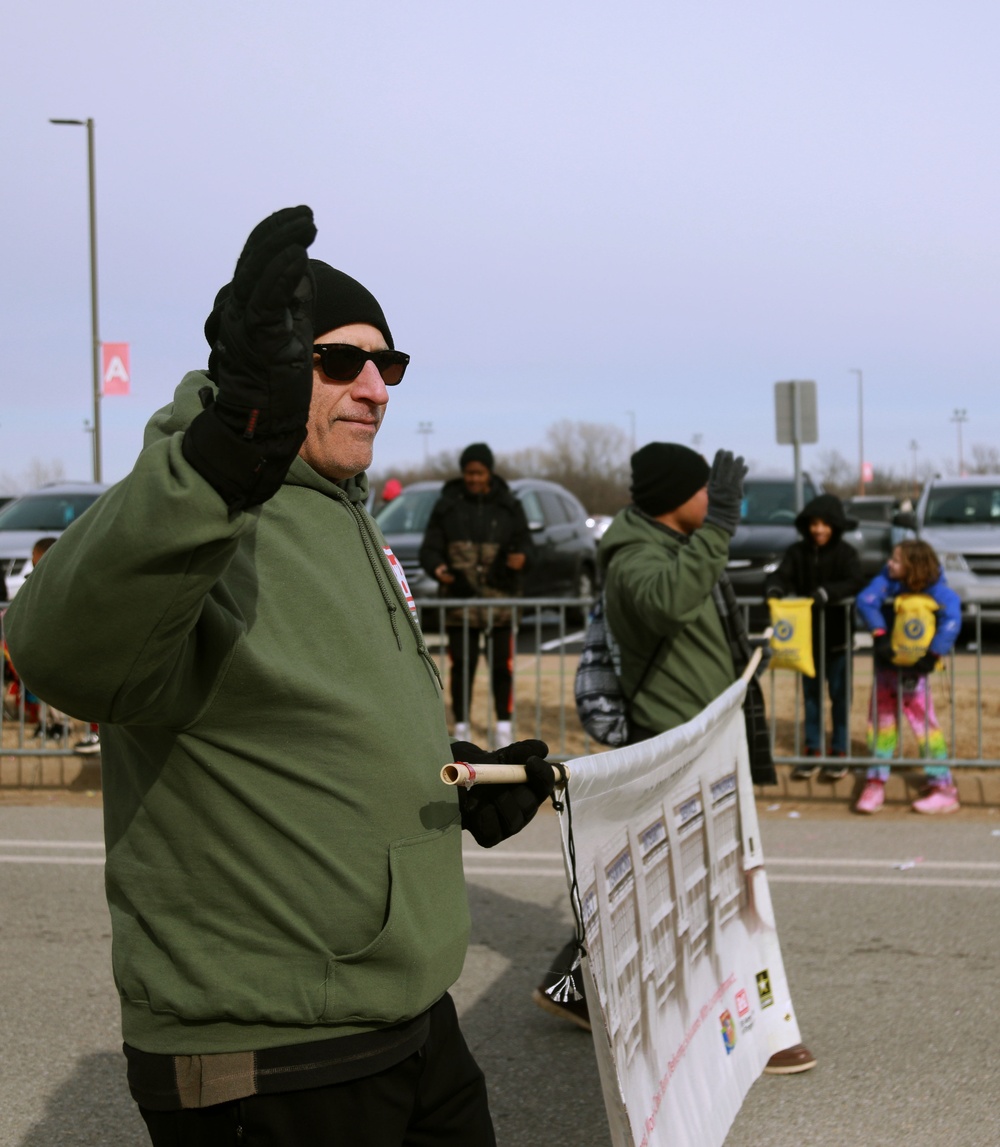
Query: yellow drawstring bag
[791,642]
[913,628]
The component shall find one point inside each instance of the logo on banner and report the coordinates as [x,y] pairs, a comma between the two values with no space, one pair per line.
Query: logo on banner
[742,1003]
[764,989]
[728,1031]
[397,569]
[115,369]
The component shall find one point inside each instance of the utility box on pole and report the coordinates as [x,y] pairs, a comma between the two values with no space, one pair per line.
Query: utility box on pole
[796,422]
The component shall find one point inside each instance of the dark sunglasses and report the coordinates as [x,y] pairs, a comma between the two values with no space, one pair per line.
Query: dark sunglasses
[343,362]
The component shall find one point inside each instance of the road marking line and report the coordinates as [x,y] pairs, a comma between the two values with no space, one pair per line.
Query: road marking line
[502,857]
[831,862]
[509,870]
[483,857]
[52,844]
[51,859]
[901,881]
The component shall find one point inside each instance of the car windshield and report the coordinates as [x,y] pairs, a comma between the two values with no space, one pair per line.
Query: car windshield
[409,513]
[963,505]
[44,511]
[772,503]
[871,511]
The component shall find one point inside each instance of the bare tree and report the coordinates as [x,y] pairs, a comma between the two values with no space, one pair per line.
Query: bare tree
[36,473]
[589,458]
[985,459]
[837,474]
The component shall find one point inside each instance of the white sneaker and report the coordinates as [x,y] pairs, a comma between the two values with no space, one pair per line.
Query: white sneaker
[90,744]
[461,731]
[502,734]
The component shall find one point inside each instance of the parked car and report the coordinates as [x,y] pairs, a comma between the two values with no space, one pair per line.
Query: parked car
[44,512]
[766,530]
[565,562]
[876,517]
[960,518]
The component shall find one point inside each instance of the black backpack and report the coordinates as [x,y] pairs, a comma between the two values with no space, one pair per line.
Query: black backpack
[600,703]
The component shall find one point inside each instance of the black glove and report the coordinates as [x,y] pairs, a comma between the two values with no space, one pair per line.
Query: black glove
[882,647]
[725,490]
[244,442]
[494,812]
[925,664]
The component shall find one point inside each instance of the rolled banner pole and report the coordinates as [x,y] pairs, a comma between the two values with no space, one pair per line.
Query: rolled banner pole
[460,773]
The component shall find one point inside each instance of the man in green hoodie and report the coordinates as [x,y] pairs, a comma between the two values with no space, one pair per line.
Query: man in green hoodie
[284,867]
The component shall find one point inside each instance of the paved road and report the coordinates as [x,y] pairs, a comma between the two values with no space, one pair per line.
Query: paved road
[894,972]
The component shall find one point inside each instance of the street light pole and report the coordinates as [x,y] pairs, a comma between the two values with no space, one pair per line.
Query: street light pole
[426,429]
[95,336]
[958,417]
[861,430]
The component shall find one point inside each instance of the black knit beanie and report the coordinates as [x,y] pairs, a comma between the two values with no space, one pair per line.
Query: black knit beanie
[477,452]
[338,301]
[665,475]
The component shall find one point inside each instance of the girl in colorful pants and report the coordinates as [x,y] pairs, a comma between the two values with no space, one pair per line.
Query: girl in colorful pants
[914,569]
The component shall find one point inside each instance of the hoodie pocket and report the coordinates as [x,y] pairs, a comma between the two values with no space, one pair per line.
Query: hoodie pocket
[419,953]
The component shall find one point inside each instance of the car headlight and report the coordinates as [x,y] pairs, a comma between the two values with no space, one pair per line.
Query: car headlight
[955,563]
[771,567]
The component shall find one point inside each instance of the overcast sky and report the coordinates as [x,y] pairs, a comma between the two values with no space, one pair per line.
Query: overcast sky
[650,210]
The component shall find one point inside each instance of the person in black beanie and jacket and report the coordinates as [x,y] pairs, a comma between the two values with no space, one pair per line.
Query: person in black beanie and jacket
[477,545]
[826,568]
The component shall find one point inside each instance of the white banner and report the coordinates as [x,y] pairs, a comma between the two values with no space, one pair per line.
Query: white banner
[683,954]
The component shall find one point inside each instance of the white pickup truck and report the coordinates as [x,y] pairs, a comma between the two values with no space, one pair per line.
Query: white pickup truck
[960,518]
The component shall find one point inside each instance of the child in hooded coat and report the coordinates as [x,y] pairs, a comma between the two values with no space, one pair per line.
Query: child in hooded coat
[826,568]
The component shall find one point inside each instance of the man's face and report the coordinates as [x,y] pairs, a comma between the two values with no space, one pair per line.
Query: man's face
[690,516]
[477,478]
[344,417]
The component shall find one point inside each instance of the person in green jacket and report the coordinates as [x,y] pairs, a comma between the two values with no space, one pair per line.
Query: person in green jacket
[284,867]
[678,627]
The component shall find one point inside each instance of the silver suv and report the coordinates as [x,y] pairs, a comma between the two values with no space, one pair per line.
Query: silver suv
[43,513]
[960,518]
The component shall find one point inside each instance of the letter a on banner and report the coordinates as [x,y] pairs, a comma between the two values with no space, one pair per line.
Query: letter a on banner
[115,369]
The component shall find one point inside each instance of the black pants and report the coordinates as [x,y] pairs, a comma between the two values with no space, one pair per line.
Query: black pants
[436,1098]
[463,672]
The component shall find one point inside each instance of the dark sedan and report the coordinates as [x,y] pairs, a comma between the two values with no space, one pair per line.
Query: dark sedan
[565,560]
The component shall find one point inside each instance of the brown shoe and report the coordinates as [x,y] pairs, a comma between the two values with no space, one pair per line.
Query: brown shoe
[790,1061]
[573,1010]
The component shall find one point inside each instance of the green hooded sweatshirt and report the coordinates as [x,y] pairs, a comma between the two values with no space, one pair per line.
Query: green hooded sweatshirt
[283,861]
[658,589]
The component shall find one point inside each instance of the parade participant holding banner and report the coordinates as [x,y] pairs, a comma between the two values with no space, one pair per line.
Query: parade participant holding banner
[912,576]
[676,621]
[824,567]
[284,872]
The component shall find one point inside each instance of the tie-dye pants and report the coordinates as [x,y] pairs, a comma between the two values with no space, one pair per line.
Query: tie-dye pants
[912,693]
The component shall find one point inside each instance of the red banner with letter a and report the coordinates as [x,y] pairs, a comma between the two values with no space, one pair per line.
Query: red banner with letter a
[115,369]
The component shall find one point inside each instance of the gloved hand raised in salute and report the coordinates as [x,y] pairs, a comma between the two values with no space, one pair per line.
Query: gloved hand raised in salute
[725,490]
[262,361]
[492,813]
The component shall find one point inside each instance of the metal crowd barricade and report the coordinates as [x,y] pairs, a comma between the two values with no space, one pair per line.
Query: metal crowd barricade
[985,755]
[546,635]
[34,738]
